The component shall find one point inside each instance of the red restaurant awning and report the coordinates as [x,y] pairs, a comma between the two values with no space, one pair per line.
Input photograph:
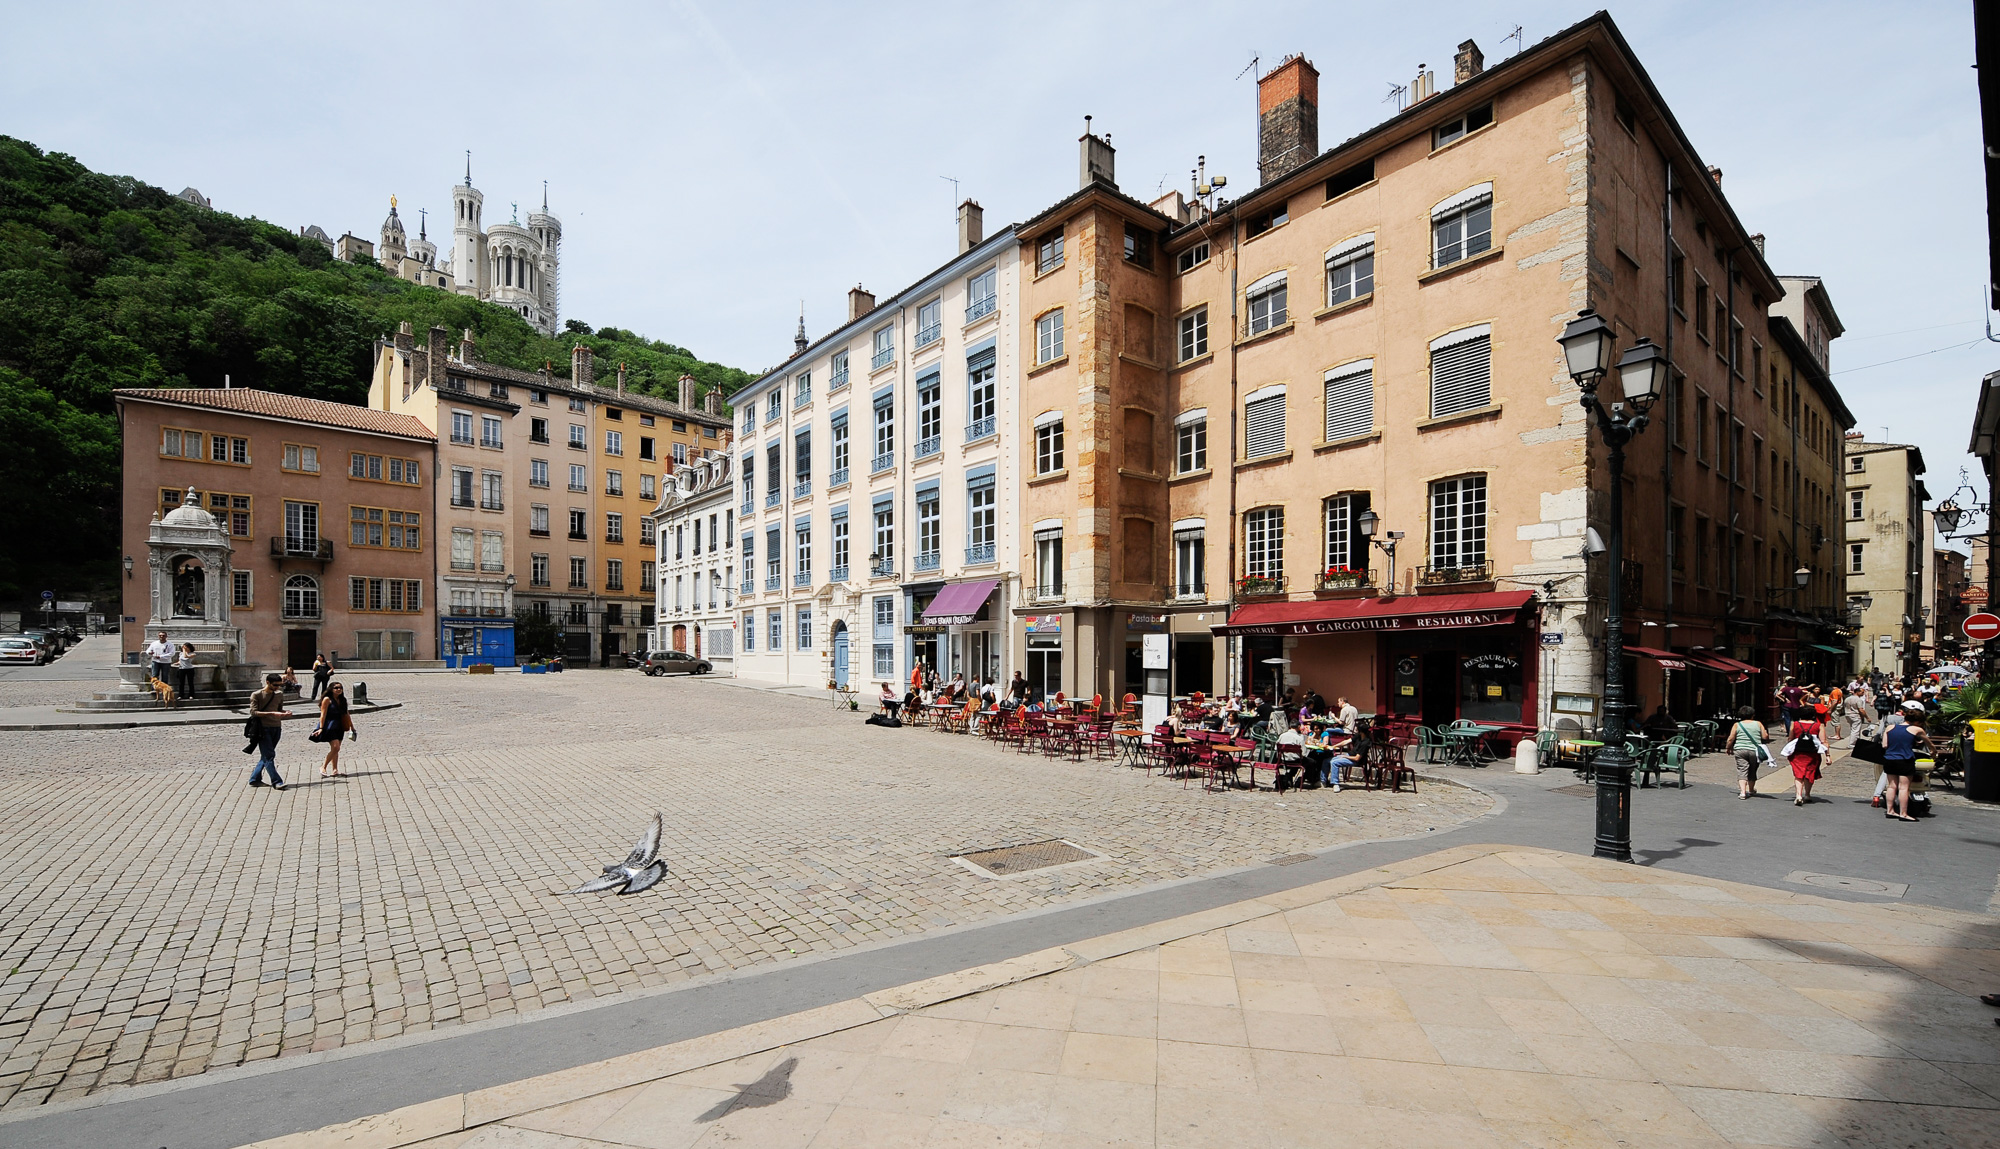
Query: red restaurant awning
[959,603]
[1666,658]
[1724,663]
[1407,612]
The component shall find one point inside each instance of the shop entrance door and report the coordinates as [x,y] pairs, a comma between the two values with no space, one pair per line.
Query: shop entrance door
[300,647]
[1044,670]
[1440,687]
[840,655]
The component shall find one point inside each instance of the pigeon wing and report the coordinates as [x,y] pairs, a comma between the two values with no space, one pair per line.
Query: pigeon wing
[647,850]
[646,878]
[604,883]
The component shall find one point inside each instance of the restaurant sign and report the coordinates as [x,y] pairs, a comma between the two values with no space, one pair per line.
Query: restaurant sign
[923,629]
[1440,621]
[1042,623]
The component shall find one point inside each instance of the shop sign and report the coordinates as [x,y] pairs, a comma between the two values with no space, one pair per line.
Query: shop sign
[1155,652]
[1146,623]
[1491,662]
[1042,623]
[1399,622]
[923,629]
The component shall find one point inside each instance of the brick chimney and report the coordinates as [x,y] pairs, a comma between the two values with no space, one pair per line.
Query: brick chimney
[971,226]
[1287,118]
[1716,175]
[712,402]
[582,366]
[406,338]
[685,384]
[860,302]
[621,378]
[1469,62]
[465,347]
[1097,160]
[434,358]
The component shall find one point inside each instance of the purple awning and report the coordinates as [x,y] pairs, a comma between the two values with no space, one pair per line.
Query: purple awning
[959,603]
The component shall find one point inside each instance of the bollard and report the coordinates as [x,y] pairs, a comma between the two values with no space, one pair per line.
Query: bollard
[1526,760]
[361,694]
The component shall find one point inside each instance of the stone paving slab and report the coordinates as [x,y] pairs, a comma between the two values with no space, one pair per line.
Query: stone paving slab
[1477,997]
[158,918]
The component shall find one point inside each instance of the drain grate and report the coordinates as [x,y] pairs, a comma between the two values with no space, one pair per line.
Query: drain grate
[1581,790]
[1031,856]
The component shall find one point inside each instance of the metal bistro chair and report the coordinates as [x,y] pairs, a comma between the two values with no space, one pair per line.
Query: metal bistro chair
[1390,768]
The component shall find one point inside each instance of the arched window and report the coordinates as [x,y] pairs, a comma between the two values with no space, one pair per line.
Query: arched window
[301,597]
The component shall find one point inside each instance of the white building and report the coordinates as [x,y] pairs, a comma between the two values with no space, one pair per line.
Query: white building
[514,265]
[875,468]
[696,541]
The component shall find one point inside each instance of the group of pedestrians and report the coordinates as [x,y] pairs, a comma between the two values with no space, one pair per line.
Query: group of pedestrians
[268,715]
[1809,716]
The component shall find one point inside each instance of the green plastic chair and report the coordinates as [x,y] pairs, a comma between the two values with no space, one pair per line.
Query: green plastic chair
[1430,745]
[1669,759]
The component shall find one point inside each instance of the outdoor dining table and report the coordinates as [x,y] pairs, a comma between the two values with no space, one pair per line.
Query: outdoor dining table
[1466,741]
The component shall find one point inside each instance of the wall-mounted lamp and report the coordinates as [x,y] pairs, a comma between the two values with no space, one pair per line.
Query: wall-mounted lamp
[128,566]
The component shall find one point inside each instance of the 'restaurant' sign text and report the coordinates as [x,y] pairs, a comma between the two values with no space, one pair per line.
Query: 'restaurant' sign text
[1398,622]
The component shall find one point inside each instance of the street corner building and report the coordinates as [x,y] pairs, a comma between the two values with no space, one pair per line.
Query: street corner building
[268,528]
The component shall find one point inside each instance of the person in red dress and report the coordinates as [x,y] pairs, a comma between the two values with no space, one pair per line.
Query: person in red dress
[1808,750]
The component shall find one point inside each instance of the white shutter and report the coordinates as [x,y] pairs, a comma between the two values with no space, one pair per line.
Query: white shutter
[1264,426]
[1461,376]
[1350,400]
[1476,194]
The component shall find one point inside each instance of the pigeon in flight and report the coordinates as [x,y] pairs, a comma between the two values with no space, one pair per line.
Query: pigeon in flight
[641,869]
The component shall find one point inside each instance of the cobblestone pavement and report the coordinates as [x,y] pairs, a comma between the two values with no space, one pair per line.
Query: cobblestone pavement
[158,917]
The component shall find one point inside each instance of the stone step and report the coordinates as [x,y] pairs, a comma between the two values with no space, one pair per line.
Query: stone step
[146,700]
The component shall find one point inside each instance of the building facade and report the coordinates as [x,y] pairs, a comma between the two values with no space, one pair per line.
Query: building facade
[545,487]
[1885,546]
[695,532]
[1802,460]
[329,511]
[873,467]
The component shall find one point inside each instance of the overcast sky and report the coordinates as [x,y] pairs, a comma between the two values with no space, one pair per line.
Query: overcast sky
[714,165]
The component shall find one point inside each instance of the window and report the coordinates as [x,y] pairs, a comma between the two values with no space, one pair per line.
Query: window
[1264,543]
[179,444]
[578,438]
[614,413]
[377,594]
[1854,504]
[1266,220]
[885,435]
[930,322]
[680,541]
[240,589]
[1677,270]
[773,476]
[839,472]
[224,449]
[614,527]
[777,621]
[461,427]
[301,527]
[375,469]
[1049,253]
[579,527]
[1701,308]
[749,631]
[983,402]
[381,527]
[749,482]
[647,448]
[930,529]
[885,538]
[579,576]
[614,442]
[885,617]
[1350,400]
[1350,269]
[837,371]
[1462,226]
[538,520]
[1857,464]
[885,348]
[805,628]
[1347,179]
[1461,371]
[614,579]
[1458,523]
[840,547]
[1701,444]
[982,294]
[1194,334]
[1191,442]
[802,555]
[980,511]
[538,472]
[538,430]
[1265,304]
[232,511]
[1854,559]
[802,389]
[1049,337]
[489,431]
[461,486]
[492,491]
[774,560]
[301,458]
[1048,562]
[614,482]
[1048,443]
[930,415]
[1264,423]
[1138,246]
[1192,258]
[579,477]
[1190,561]
[648,487]
[1345,548]
[1461,126]
[301,597]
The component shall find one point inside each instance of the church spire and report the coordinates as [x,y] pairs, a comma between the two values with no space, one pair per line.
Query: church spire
[545,197]
[800,341]
[468,167]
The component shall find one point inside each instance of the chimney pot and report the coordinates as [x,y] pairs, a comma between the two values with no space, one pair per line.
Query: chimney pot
[1096,158]
[686,386]
[971,226]
[712,402]
[582,366]
[860,302]
[621,378]
[1757,241]
[1469,62]
[465,346]
[1716,175]
[1287,118]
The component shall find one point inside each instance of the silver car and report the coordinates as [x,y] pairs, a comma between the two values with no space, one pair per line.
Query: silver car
[675,662]
[16,649]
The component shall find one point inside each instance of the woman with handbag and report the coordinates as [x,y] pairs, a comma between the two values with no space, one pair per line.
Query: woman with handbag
[1747,739]
[1805,752]
[335,724]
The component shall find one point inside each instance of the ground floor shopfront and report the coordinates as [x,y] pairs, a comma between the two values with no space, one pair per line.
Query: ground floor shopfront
[958,628]
[1085,651]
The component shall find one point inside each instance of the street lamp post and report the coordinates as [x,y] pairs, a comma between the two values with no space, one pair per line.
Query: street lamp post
[1586,342]
[1366,522]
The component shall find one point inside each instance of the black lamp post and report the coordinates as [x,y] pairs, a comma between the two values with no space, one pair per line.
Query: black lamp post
[1586,343]
[1366,522]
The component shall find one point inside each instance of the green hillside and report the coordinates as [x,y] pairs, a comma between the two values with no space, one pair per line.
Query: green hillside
[107,282]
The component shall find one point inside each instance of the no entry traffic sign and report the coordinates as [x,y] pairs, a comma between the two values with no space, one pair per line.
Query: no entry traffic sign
[1982,626]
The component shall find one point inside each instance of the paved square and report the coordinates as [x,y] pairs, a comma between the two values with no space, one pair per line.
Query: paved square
[158,917]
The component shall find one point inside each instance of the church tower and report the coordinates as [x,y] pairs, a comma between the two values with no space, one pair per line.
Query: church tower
[395,243]
[421,248]
[468,241]
[548,230]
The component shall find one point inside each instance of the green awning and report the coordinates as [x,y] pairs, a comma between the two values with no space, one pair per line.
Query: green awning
[1829,649]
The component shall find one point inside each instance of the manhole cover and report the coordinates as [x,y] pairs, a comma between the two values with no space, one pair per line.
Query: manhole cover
[1851,885]
[1291,859]
[1581,790]
[1009,860]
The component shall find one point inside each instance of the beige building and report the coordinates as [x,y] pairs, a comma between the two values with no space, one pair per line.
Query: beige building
[1887,543]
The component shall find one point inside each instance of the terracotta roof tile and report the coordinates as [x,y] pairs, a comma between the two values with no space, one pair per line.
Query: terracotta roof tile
[250,401]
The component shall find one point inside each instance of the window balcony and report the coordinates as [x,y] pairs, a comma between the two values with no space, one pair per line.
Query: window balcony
[837,574]
[980,428]
[749,586]
[492,505]
[576,585]
[541,439]
[618,584]
[882,463]
[302,546]
[772,582]
[928,561]
[618,537]
[929,335]
[884,569]
[981,308]
[542,483]
[978,554]
[882,359]
[494,443]
[928,447]
[580,536]
[463,440]
[1260,584]
[749,507]
[1195,589]
[579,488]
[802,578]
[541,582]
[837,381]
[771,413]
[466,501]
[837,478]
[804,397]
[801,490]
[771,497]
[458,565]
[1048,592]
[1438,574]
[1344,578]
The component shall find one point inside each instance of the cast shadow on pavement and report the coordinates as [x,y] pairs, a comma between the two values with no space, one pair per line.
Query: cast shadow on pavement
[1654,857]
[773,1087]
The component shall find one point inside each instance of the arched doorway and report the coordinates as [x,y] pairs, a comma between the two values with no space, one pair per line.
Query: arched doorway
[840,654]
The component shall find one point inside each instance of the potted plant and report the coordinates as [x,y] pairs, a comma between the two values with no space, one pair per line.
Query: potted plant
[1259,584]
[1342,578]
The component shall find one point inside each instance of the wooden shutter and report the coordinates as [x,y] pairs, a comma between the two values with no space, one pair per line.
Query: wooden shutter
[1350,401]
[1462,375]
[1264,426]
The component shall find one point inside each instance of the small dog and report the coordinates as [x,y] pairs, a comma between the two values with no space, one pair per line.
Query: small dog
[165,690]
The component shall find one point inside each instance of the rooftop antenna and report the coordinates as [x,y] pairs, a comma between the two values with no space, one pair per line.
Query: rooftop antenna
[1397,93]
[1515,36]
[545,197]
[468,167]
[1251,69]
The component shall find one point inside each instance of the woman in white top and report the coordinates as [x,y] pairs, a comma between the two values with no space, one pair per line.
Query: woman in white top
[184,670]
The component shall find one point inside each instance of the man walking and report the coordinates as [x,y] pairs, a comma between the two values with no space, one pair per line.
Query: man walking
[162,655]
[267,706]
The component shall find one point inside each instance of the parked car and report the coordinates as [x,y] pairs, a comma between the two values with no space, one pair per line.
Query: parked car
[14,648]
[49,638]
[675,662]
